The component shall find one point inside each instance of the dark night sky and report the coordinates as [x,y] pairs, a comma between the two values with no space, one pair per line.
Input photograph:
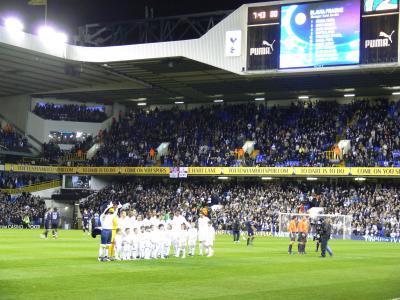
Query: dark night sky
[67,15]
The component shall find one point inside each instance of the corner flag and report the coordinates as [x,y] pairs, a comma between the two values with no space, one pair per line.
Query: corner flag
[37,2]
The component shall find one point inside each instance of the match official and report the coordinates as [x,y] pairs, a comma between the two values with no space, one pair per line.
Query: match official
[292,229]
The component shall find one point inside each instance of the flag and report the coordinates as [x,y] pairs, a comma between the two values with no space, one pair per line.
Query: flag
[37,2]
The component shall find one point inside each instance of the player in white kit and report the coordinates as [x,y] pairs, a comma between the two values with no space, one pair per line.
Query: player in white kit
[123,222]
[141,242]
[176,227]
[146,239]
[135,243]
[169,236]
[127,244]
[154,239]
[162,236]
[118,243]
[193,235]
[202,225]
[182,238]
[210,237]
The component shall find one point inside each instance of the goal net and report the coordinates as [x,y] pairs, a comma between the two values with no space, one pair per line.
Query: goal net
[341,224]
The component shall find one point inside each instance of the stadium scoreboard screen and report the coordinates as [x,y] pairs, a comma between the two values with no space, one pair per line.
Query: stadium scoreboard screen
[322,34]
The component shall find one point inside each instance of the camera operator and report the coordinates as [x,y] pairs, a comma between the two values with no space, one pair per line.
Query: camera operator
[317,236]
[325,236]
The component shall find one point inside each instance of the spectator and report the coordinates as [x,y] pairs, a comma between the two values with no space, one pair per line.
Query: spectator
[70,112]
[14,209]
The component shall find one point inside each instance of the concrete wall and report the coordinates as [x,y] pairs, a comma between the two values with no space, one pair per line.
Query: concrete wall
[46,194]
[14,109]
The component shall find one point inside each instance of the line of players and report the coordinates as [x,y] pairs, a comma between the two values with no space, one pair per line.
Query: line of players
[129,238]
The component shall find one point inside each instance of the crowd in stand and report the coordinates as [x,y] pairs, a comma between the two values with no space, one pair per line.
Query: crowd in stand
[52,152]
[374,133]
[12,181]
[70,112]
[10,140]
[21,210]
[297,135]
[374,209]
[215,135]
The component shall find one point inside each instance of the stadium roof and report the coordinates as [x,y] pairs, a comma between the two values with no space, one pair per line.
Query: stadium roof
[193,70]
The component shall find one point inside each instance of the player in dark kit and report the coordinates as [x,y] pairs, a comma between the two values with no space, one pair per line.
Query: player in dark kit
[85,221]
[55,222]
[250,232]
[47,223]
[236,230]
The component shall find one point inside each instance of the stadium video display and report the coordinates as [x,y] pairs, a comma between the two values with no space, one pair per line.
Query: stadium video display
[371,6]
[320,34]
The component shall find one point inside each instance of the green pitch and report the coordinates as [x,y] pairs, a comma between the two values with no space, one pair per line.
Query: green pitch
[32,268]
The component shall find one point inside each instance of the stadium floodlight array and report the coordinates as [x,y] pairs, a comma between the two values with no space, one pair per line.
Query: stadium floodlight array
[13,25]
[50,35]
[341,224]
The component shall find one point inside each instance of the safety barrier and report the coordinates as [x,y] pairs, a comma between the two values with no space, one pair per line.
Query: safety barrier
[74,157]
[33,188]
[213,171]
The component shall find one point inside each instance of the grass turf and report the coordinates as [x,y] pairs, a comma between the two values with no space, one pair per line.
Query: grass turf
[67,268]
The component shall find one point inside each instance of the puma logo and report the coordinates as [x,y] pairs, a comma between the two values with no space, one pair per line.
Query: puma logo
[265,43]
[385,35]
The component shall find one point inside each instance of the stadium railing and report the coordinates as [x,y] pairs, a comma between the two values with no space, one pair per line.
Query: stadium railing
[33,188]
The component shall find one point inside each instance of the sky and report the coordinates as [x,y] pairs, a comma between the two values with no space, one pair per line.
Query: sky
[68,15]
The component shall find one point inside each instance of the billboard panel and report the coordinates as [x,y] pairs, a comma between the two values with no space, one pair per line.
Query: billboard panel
[262,47]
[320,34]
[379,39]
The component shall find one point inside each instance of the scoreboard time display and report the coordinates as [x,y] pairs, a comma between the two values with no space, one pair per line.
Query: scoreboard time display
[263,15]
